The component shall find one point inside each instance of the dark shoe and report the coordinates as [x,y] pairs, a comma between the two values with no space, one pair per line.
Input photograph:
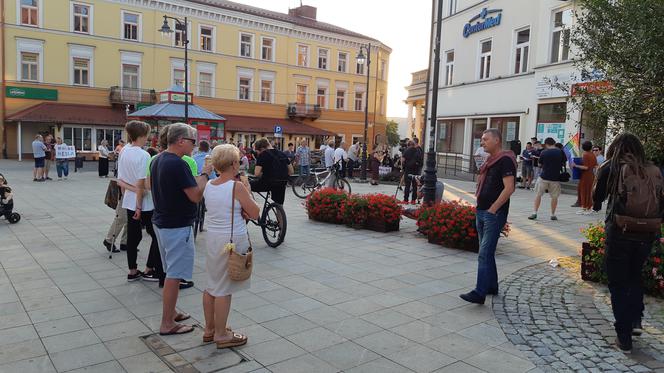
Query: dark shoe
[624,344]
[184,284]
[35,179]
[576,204]
[533,217]
[134,277]
[493,291]
[110,247]
[48,178]
[637,328]
[123,247]
[521,187]
[150,276]
[473,297]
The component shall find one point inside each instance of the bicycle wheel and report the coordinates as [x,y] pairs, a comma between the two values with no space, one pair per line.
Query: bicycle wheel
[343,185]
[301,186]
[273,224]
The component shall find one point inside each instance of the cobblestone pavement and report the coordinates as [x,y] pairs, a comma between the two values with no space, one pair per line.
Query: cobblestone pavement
[564,324]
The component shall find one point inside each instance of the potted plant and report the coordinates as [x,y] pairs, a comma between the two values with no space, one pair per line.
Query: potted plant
[325,205]
[383,213]
[450,223]
[592,253]
[355,212]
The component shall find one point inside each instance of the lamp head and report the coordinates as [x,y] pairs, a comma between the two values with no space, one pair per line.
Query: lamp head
[361,59]
[165,29]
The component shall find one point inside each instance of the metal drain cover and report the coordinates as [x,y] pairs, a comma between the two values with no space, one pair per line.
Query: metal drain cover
[187,353]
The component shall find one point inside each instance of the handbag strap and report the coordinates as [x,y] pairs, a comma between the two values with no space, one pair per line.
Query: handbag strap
[233,216]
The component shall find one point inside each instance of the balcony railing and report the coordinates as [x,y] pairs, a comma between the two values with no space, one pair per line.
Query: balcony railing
[132,96]
[296,110]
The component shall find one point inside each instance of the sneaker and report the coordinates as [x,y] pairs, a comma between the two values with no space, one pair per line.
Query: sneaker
[554,218]
[594,212]
[581,212]
[576,204]
[624,345]
[521,187]
[533,217]
[150,276]
[110,247]
[134,277]
[184,284]
[48,178]
[588,212]
[35,179]
[40,180]
[637,328]
[473,297]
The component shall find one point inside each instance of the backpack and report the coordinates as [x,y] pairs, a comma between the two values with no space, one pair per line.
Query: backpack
[639,204]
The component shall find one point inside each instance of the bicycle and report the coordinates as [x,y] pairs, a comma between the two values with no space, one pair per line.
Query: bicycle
[272,221]
[306,184]
[200,217]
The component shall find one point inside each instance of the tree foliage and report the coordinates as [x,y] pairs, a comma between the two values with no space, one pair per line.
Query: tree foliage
[392,130]
[623,40]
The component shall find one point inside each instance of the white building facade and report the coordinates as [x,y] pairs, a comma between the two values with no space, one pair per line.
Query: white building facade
[502,66]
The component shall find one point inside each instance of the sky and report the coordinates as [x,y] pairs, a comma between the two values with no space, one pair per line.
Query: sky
[403,26]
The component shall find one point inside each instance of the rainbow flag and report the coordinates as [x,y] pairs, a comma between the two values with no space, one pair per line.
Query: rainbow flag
[571,149]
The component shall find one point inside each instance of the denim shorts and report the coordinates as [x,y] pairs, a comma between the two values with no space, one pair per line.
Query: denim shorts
[176,246]
[39,162]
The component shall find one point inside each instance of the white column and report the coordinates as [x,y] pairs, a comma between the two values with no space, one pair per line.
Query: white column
[20,142]
[418,121]
[410,117]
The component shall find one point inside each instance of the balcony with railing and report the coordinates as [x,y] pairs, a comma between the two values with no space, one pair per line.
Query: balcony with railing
[296,110]
[132,96]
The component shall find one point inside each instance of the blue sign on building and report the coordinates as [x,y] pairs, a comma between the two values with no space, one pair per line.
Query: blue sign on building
[484,22]
[278,131]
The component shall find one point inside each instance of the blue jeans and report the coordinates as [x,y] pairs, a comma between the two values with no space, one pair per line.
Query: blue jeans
[62,167]
[488,229]
[304,170]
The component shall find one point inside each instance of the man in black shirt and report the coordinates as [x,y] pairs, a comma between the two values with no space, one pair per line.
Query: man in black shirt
[409,161]
[272,169]
[551,161]
[494,188]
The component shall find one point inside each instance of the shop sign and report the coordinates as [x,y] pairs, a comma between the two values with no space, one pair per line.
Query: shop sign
[32,93]
[484,23]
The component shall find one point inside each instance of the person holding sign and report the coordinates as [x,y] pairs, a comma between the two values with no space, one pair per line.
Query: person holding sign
[62,154]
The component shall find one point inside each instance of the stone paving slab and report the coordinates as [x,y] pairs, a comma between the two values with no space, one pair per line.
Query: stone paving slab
[330,298]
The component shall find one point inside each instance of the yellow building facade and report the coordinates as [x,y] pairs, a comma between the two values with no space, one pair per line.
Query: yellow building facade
[108,57]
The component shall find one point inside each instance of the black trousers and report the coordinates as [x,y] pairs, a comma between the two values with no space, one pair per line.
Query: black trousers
[276,188]
[411,184]
[103,166]
[624,263]
[134,237]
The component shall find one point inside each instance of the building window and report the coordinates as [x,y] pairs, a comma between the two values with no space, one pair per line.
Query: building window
[303,55]
[81,18]
[178,77]
[452,8]
[301,97]
[450,136]
[359,69]
[321,97]
[485,59]
[81,138]
[359,99]
[179,35]
[552,113]
[131,25]
[30,12]
[113,136]
[381,104]
[205,84]
[207,39]
[562,22]
[509,128]
[521,52]
[246,45]
[130,75]
[267,46]
[81,71]
[29,67]
[266,91]
[383,68]
[342,62]
[341,99]
[245,89]
[322,59]
[449,67]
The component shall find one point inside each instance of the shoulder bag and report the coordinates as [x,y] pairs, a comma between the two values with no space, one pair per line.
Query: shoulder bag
[239,265]
[112,194]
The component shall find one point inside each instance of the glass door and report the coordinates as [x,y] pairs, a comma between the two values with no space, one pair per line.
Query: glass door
[479,126]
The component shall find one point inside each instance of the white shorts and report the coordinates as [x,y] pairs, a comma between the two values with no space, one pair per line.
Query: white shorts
[542,186]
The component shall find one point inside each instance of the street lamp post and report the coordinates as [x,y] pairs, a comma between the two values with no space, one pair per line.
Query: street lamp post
[166,30]
[361,60]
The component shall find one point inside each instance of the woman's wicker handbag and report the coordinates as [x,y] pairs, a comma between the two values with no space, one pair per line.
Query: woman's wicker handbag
[239,265]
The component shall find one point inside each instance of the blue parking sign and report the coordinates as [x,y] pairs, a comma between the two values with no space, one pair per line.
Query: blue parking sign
[278,131]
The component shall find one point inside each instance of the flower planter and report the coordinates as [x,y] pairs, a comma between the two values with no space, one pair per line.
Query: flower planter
[588,268]
[466,245]
[381,226]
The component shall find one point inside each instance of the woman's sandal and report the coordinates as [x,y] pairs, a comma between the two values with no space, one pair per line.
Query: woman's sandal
[209,338]
[181,317]
[236,340]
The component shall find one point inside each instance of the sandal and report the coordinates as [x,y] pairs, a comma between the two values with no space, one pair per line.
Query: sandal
[181,317]
[236,340]
[178,329]
[207,338]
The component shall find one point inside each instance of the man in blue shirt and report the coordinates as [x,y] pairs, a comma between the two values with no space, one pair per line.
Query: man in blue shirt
[527,166]
[551,161]
[39,153]
[199,157]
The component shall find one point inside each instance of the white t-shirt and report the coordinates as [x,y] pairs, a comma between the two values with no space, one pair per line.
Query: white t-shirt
[353,152]
[329,157]
[340,154]
[132,167]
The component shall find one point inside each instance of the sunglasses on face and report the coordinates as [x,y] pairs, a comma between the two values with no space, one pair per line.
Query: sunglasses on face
[193,141]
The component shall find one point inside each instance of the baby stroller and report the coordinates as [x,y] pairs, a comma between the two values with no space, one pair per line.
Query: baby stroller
[7,202]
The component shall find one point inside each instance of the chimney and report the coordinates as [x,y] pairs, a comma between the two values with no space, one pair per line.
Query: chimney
[304,11]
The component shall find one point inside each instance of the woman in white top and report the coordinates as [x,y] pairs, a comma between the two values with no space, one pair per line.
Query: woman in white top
[218,193]
[103,158]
